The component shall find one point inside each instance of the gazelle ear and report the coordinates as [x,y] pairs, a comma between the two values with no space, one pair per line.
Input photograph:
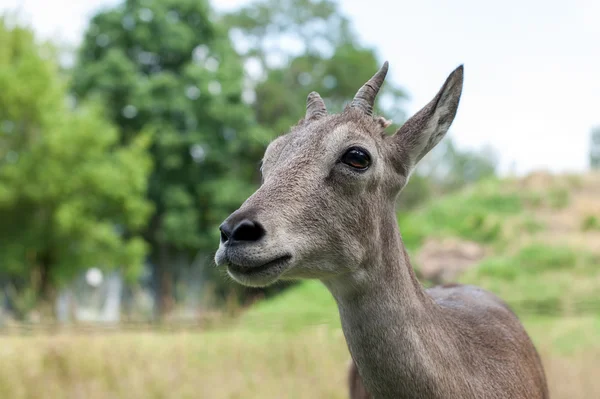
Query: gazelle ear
[427,127]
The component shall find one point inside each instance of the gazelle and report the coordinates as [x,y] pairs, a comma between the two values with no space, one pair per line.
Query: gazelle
[325,210]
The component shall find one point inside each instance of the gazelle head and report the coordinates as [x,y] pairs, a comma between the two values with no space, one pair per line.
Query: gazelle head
[329,187]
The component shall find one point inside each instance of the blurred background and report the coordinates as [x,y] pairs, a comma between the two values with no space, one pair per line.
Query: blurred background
[130,129]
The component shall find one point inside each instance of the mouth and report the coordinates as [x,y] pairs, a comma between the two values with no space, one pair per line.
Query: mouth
[252,271]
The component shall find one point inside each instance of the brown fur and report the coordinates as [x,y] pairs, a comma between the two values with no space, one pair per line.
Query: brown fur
[315,217]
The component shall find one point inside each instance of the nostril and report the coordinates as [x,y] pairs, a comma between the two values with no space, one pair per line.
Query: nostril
[225,232]
[247,230]
[224,237]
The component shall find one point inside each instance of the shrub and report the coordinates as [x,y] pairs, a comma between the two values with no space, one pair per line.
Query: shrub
[590,222]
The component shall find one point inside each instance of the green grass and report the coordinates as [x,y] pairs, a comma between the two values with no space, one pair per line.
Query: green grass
[590,222]
[536,259]
[476,214]
[556,196]
[531,225]
[542,279]
[511,219]
[307,304]
[567,335]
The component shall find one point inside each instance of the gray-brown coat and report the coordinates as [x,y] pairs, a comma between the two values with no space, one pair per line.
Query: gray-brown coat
[326,210]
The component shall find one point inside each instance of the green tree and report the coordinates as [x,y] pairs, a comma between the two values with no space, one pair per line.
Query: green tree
[67,194]
[292,47]
[169,65]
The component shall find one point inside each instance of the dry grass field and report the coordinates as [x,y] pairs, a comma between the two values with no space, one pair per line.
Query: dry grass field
[244,363]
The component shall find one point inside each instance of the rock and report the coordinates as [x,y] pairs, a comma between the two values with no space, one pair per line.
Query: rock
[443,260]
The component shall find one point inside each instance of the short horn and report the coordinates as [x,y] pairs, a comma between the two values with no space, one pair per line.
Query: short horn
[365,97]
[315,106]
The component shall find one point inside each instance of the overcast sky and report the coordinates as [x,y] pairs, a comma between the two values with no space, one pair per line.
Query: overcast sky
[532,67]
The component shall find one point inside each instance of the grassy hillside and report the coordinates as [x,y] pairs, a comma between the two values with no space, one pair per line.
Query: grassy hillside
[540,235]
[541,239]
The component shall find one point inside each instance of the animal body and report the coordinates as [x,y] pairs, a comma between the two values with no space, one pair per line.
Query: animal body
[326,210]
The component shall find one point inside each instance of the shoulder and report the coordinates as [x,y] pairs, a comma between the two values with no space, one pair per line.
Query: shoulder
[469,297]
[478,313]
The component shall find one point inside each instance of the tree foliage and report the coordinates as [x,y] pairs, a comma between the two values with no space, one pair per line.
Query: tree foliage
[67,193]
[167,65]
[293,47]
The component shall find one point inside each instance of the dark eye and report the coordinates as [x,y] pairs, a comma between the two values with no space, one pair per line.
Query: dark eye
[357,158]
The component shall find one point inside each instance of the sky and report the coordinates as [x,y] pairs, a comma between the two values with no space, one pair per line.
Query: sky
[532,67]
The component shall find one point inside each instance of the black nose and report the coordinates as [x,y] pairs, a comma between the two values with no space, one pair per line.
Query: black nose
[244,230]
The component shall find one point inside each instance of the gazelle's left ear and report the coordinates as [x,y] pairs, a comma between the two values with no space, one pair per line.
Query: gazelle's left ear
[427,127]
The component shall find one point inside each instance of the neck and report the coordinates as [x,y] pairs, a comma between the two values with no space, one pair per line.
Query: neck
[387,320]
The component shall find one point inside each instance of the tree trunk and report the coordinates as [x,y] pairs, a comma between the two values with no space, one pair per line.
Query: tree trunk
[164,282]
[45,286]
[41,282]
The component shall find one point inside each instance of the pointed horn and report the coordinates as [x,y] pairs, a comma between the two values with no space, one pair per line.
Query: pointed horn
[365,97]
[315,107]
